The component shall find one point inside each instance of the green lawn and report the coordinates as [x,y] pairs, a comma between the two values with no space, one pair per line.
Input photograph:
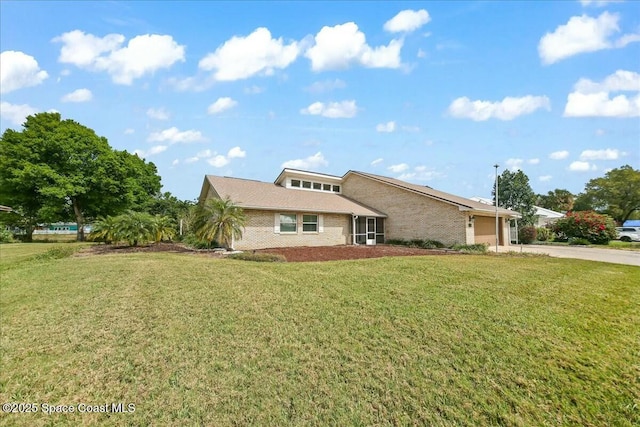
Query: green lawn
[449,340]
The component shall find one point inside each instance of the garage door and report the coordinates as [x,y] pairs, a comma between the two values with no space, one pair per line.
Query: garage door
[485,230]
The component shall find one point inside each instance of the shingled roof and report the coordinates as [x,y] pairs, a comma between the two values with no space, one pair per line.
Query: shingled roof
[250,194]
[462,202]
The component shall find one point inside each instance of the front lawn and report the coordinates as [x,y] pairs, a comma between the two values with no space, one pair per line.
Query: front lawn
[433,340]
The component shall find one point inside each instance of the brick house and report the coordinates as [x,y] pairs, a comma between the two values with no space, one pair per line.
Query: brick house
[304,208]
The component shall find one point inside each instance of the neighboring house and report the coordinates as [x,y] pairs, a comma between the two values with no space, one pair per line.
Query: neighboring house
[304,208]
[543,216]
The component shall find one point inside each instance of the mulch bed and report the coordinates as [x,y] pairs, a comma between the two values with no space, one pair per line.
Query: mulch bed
[294,254]
[333,253]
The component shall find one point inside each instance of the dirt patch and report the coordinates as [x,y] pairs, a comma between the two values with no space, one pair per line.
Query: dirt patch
[333,253]
[102,249]
[294,254]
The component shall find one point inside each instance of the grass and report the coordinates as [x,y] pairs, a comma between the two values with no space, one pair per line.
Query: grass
[13,254]
[450,340]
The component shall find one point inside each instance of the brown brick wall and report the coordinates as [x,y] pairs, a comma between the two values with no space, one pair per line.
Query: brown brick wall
[410,215]
[259,232]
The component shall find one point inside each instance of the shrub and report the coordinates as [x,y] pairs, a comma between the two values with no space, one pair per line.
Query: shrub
[6,236]
[578,241]
[258,257]
[194,242]
[527,234]
[543,234]
[588,225]
[416,243]
[478,248]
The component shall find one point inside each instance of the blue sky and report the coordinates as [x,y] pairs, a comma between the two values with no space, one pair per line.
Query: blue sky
[434,93]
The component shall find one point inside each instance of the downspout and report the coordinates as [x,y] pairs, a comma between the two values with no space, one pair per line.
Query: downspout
[353,229]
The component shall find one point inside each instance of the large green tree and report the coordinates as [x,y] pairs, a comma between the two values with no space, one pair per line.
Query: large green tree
[515,193]
[56,169]
[558,200]
[617,194]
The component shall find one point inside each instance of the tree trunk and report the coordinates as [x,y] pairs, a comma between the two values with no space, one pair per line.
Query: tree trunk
[28,233]
[79,220]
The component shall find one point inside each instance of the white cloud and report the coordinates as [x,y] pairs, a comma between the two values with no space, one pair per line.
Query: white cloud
[421,53]
[606,154]
[19,70]
[218,161]
[592,99]
[205,153]
[175,162]
[533,161]
[144,54]
[151,151]
[242,57]
[598,3]
[236,153]
[326,86]
[401,167]
[421,173]
[174,135]
[16,114]
[158,113]
[340,46]
[514,164]
[332,110]
[78,95]
[377,161]
[545,178]
[312,162]
[579,166]
[583,34]
[386,127]
[559,155]
[407,21]
[129,131]
[600,132]
[507,109]
[221,104]
[215,159]
[253,90]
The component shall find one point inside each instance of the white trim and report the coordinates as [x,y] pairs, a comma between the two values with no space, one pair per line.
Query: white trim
[320,224]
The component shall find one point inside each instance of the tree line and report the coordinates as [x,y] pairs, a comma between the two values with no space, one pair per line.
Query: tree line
[616,194]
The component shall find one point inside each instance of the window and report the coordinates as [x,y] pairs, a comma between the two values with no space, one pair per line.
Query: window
[295,183]
[317,186]
[336,188]
[326,187]
[306,184]
[288,223]
[310,223]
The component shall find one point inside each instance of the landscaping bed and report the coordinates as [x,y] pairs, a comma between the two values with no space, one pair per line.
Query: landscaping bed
[292,254]
[333,253]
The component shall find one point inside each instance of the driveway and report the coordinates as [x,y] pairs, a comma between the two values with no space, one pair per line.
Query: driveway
[578,252]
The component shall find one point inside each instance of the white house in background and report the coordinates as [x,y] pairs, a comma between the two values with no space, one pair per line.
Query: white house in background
[543,216]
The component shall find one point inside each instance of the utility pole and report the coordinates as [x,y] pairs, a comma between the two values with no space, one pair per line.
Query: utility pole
[497,220]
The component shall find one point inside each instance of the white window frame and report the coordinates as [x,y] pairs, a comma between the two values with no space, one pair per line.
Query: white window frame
[316,223]
[277,227]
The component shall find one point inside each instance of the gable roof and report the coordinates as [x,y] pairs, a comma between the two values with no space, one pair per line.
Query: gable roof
[462,202]
[250,194]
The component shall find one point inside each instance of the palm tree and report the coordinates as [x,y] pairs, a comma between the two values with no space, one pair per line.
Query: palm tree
[220,220]
[162,228]
[105,229]
[135,227]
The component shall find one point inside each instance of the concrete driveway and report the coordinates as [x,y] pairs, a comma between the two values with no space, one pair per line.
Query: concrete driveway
[577,252]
